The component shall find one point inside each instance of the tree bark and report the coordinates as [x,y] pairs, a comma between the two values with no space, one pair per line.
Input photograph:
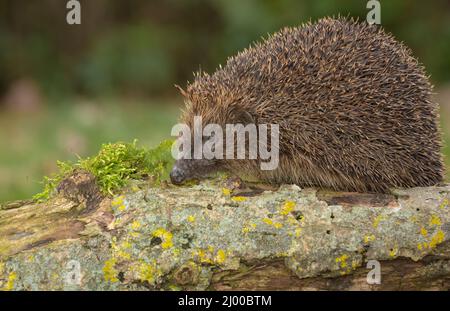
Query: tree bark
[207,237]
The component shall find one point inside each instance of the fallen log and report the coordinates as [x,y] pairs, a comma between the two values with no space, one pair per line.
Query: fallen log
[208,236]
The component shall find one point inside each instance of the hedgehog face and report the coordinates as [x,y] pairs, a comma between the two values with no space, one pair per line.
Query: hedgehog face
[187,168]
[208,154]
[194,164]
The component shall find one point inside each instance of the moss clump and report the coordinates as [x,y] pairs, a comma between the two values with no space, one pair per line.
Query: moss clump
[115,165]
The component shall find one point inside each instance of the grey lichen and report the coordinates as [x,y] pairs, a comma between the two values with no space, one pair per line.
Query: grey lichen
[176,238]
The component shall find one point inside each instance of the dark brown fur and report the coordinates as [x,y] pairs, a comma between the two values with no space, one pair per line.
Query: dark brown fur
[353,105]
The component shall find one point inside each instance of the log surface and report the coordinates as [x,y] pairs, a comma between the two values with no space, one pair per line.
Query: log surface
[201,237]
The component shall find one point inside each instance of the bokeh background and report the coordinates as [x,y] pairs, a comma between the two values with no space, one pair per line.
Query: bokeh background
[65,90]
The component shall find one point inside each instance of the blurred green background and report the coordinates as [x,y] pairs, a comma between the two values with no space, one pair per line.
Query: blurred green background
[64,89]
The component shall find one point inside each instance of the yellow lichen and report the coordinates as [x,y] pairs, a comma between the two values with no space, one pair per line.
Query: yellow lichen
[123,255]
[135,188]
[126,244]
[437,238]
[291,220]
[55,277]
[423,231]
[298,231]
[176,252]
[369,238]
[393,252]
[174,288]
[167,241]
[435,221]
[238,199]
[115,223]
[202,256]
[287,207]
[226,191]
[247,228]
[147,272]
[342,260]
[268,221]
[165,236]
[109,271]
[377,220]
[278,225]
[117,201]
[200,253]
[221,256]
[208,256]
[10,282]
[343,264]
[135,225]
[444,203]
[413,219]
[120,251]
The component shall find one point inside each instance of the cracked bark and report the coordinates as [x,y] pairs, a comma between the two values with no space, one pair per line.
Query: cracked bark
[200,237]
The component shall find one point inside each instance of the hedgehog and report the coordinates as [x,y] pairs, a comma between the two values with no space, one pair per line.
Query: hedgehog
[353,106]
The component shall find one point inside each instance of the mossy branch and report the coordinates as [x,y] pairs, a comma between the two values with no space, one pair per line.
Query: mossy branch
[114,166]
[208,237]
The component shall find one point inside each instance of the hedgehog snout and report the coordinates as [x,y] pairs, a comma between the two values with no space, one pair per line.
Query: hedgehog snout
[186,169]
[177,175]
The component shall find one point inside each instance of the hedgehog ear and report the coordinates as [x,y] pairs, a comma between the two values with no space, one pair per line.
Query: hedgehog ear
[243,116]
[248,117]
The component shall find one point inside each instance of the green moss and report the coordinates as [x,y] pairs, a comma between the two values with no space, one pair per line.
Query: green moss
[115,165]
[50,182]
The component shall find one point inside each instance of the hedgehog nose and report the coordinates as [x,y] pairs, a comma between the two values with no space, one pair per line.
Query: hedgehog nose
[176,176]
